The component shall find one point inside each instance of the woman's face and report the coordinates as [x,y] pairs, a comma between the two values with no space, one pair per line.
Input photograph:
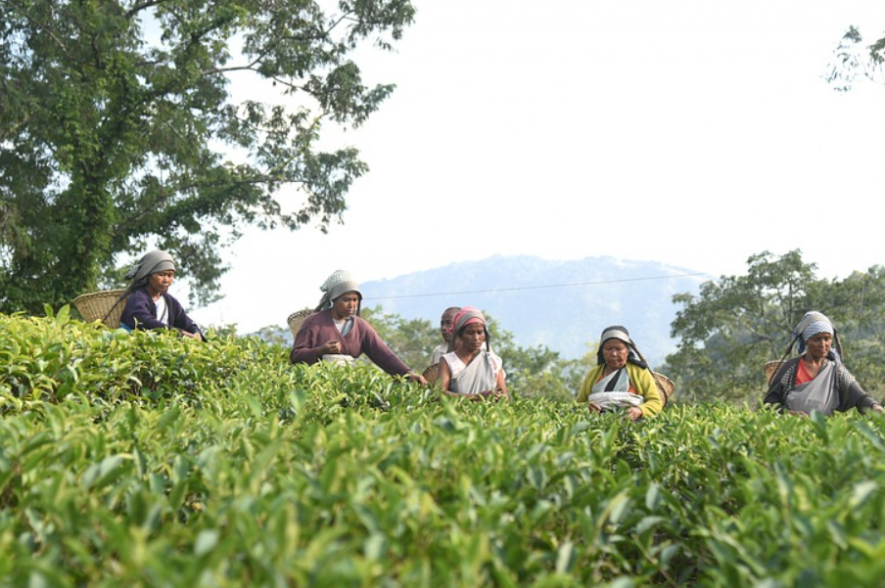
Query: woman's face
[159,282]
[472,337]
[819,345]
[345,305]
[615,353]
[445,325]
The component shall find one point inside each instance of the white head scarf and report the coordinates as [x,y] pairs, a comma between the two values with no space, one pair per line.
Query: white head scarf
[335,285]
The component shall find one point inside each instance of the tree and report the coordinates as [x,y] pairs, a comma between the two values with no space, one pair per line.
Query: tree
[412,340]
[853,58]
[118,130]
[858,311]
[736,324]
[531,371]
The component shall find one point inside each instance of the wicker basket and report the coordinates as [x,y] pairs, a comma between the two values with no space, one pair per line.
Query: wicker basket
[665,386]
[95,306]
[296,318]
[771,368]
[431,374]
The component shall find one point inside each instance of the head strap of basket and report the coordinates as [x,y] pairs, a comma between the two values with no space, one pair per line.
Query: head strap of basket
[340,282]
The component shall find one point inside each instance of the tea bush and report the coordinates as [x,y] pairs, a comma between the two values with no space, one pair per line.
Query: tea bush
[149,460]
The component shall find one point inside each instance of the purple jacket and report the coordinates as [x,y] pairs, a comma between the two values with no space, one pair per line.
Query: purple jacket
[319,328]
[140,311]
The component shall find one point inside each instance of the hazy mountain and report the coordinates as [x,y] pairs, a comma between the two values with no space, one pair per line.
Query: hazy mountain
[561,304]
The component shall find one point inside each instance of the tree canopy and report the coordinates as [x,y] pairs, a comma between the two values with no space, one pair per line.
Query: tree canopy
[854,57]
[531,371]
[734,325]
[119,130]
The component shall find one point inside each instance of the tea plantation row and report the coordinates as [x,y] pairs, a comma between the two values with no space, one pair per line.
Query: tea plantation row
[145,460]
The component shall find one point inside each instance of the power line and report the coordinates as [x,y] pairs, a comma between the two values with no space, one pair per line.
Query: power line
[545,286]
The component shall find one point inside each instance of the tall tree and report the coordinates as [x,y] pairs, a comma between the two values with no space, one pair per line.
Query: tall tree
[734,325]
[854,58]
[118,129]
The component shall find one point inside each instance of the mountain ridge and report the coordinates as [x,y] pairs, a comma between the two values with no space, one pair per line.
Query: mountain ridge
[561,304]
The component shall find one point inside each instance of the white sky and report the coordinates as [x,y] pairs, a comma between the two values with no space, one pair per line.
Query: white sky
[694,133]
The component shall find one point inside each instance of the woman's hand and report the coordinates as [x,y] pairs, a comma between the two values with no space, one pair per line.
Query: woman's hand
[492,395]
[635,413]
[330,348]
[877,408]
[594,407]
[417,378]
[198,336]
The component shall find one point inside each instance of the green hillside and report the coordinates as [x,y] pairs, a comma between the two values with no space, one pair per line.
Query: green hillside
[148,460]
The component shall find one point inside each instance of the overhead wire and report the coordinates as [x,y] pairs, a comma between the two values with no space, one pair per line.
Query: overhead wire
[541,286]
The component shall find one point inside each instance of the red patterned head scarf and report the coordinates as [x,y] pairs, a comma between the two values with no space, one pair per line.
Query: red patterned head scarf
[467,316]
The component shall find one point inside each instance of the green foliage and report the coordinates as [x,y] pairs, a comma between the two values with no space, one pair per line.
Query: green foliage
[854,58]
[412,340]
[738,323]
[119,131]
[531,371]
[263,474]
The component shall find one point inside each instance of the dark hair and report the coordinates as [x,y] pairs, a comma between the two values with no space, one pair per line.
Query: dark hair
[454,309]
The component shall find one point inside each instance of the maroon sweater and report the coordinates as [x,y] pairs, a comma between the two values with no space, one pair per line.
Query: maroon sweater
[319,328]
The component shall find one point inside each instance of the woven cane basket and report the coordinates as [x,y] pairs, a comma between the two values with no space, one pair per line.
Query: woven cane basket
[431,374]
[665,386]
[771,368]
[95,306]
[296,318]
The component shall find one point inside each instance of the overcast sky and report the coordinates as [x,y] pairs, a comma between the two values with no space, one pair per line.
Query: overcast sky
[691,133]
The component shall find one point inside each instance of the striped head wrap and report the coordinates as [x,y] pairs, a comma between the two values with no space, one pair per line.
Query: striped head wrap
[339,283]
[813,323]
[467,316]
[621,334]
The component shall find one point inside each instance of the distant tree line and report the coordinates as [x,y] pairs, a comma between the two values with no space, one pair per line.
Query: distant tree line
[727,333]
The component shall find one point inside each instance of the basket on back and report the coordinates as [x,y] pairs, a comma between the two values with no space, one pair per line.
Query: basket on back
[99,306]
[771,368]
[431,374]
[296,318]
[665,387]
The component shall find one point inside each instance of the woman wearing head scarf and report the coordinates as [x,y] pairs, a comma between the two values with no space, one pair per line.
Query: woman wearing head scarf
[621,380]
[817,379]
[470,369]
[335,332]
[150,306]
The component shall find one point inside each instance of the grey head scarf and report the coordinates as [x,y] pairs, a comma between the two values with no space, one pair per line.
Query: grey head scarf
[335,285]
[152,263]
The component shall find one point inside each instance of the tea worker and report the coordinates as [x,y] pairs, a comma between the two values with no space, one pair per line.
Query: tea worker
[335,332]
[150,306]
[816,379]
[470,369]
[621,381]
[445,329]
